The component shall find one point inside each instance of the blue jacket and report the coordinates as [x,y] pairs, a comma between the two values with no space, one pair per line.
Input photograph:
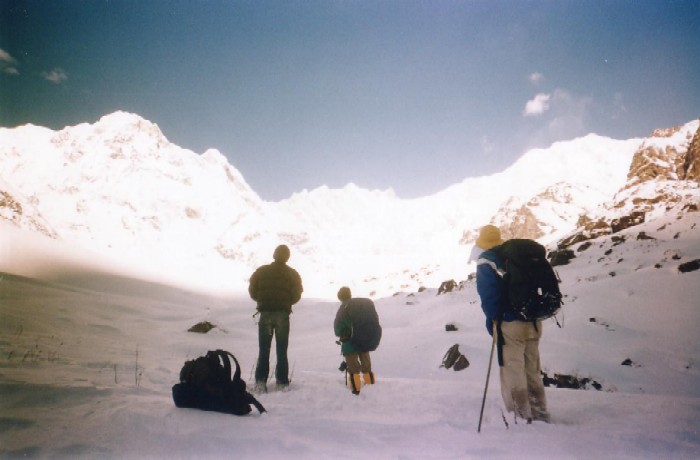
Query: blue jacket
[489,285]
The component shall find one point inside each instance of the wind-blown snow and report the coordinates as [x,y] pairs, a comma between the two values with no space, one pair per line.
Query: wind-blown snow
[87,362]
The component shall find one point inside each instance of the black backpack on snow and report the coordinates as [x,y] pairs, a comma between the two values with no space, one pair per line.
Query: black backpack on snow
[366,331]
[531,285]
[205,383]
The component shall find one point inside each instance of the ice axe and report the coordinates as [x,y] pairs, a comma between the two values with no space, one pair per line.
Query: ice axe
[488,374]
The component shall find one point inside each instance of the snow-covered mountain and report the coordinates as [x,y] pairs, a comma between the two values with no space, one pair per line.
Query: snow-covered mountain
[663,180]
[88,363]
[120,188]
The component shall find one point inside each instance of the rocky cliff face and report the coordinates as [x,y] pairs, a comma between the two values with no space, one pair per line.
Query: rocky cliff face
[691,166]
[21,213]
[662,179]
[544,214]
[10,208]
[657,160]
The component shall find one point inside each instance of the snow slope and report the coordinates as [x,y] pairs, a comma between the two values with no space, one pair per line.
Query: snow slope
[120,188]
[87,362]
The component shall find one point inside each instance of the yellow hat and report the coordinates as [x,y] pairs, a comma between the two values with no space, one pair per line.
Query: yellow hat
[489,237]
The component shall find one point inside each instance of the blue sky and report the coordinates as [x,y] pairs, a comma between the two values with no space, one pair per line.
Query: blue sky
[409,95]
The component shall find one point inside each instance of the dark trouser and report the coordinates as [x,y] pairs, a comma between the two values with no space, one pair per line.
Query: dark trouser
[273,323]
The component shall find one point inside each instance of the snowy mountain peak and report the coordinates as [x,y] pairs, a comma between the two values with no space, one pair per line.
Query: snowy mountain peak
[672,156]
[118,186]
[126,123]
[122,118]
[662,181]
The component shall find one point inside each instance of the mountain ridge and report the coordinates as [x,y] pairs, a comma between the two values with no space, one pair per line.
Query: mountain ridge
[120,187]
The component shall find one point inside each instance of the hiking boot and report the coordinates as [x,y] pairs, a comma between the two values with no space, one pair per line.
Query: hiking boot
[355,383]
[282,386]
[260,387]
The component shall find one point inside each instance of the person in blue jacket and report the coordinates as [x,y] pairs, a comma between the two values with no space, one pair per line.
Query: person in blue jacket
[522,388]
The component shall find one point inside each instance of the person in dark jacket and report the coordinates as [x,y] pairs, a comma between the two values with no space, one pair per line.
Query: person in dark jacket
[356,362]
[275,288]
[521,382]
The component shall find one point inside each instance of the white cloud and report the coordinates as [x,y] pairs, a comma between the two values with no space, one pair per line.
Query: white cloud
[56,76]
[567,116]
[8,64]
[538,105]
[536,78]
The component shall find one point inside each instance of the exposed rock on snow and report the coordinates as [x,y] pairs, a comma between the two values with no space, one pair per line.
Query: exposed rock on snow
[658,183]
[691,266]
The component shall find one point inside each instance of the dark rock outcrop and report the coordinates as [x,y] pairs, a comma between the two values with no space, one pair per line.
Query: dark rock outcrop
[570,381]
[630,220]
[202,327]
[691,266]
[454,359]
[447,286]
[561,257]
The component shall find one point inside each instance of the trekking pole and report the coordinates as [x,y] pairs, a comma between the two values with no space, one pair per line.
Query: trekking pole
[488,374]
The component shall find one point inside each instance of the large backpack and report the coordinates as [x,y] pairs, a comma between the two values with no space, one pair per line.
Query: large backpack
[205,383]
[531,285]
[366,331]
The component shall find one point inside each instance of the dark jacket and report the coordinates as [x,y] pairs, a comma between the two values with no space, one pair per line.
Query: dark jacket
[343,329]
[275,287]
[357,325]
[489,284]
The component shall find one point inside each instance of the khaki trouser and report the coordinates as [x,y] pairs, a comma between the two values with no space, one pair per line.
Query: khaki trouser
[521,383]
[358,362]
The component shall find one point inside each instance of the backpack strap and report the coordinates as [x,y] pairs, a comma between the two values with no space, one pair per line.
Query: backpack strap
[237,372]
[225,357]
[256,403]
[500,341]
[238,382]
[221,357]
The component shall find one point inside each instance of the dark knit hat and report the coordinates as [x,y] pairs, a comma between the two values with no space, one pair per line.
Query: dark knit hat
[344,294]
[281,253]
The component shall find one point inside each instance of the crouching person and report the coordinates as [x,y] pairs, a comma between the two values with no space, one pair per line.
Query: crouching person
[357,326]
